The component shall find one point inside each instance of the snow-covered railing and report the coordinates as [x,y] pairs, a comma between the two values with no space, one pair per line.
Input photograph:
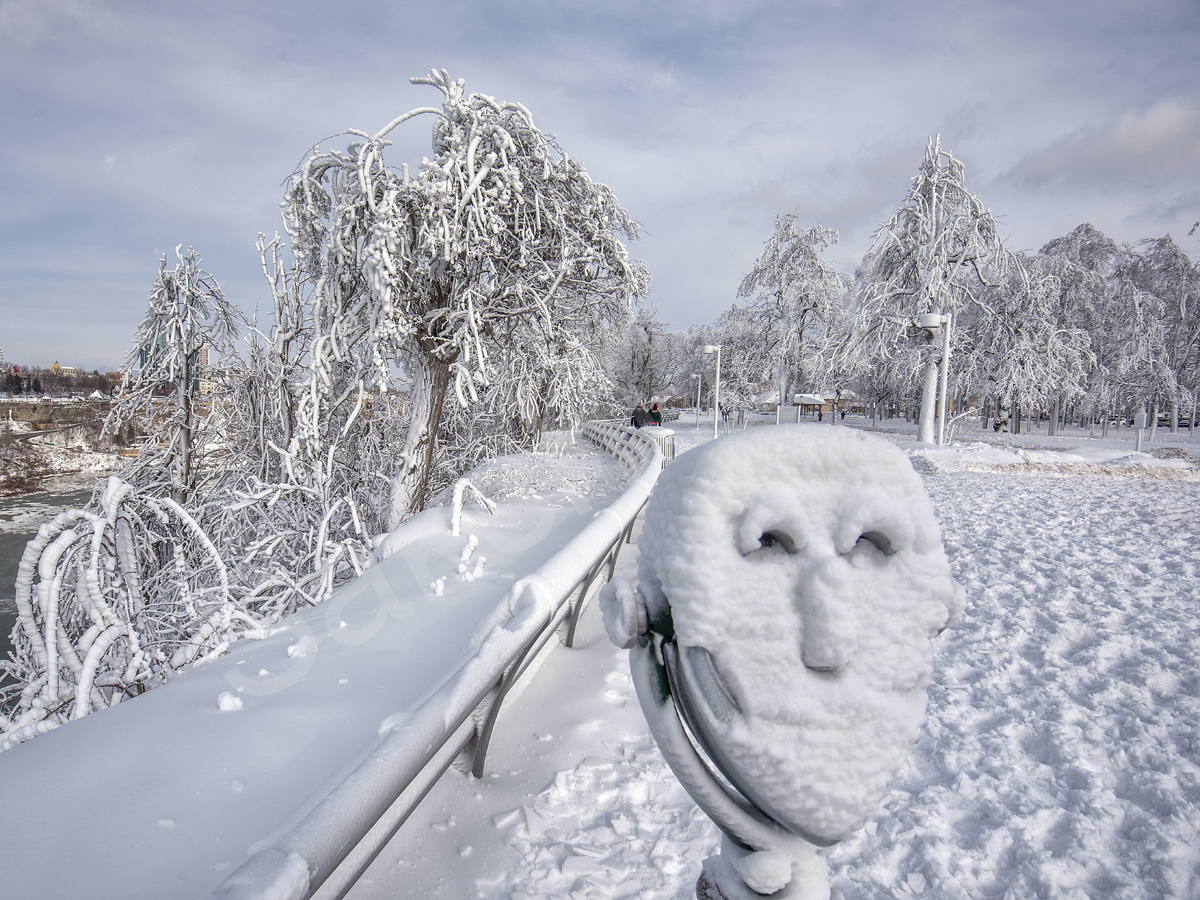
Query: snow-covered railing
[665,438]
[330,848]
[617,438]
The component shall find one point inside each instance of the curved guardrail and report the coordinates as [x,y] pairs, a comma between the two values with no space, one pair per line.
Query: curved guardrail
[616,431]
[330,848]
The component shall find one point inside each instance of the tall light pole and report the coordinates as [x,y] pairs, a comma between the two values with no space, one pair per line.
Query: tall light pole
[696,375]
[715,348]
[934,321]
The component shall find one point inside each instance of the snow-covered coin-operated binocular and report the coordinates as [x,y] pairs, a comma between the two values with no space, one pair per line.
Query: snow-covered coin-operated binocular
[791,580]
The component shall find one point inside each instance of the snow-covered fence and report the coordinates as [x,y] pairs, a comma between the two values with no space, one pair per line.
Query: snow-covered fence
[665,438]
[629,444]
[335,843]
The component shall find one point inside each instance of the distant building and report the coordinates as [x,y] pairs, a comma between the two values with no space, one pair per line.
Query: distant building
[198,361]
[69,371]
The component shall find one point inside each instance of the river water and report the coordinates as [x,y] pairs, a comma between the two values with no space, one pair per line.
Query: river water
[19,521]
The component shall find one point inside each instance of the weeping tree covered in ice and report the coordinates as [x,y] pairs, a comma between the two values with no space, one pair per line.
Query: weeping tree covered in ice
[110,601]
[934,255]
[500,230]
[489,274]
[797,298]
[1163,271]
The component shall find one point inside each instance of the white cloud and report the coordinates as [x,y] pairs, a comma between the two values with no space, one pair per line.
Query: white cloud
[707,118]
[31,21]
[1157,143]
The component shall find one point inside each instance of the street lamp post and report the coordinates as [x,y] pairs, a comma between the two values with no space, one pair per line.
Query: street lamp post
[715,348]
[934,321]
[696,375]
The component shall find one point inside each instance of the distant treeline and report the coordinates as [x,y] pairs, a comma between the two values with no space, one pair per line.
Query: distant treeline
[34,380]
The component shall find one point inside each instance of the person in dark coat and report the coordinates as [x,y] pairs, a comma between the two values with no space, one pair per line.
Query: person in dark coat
[639,416]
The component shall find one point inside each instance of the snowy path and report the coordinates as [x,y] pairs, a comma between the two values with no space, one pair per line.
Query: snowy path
[578,798]
[160,795]
[1060,758]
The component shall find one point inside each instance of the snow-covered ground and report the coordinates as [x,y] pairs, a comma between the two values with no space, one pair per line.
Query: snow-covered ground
[1060,756]
[64,451]
[162,794]
[72,457]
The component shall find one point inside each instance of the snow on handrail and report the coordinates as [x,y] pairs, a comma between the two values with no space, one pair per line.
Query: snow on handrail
[335,843]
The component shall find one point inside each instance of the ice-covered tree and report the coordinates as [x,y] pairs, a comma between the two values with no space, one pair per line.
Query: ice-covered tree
[1162,270]
[499,226]
[1124,323]
[186,314]
[1023,345]
[643,358]
[490,274]
[110,601]
[933,255]
[797,298]
[747,365]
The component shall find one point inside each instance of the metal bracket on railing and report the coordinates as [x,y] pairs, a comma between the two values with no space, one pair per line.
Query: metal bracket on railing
[581,600]
[483,732]
[610,559]
[568,612]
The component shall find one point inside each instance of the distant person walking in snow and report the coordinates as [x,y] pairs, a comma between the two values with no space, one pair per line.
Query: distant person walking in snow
[655,416]
[639,416]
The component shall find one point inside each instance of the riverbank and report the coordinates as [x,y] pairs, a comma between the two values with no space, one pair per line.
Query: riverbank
[31,458]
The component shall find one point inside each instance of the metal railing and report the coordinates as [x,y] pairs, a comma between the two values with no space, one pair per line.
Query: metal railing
[664,437]
[324,854]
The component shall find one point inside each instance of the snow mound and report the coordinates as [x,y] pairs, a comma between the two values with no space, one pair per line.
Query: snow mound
[806,578]
[1096,458]
[561,467]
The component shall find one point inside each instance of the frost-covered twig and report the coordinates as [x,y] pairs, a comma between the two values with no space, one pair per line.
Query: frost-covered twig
[456,510]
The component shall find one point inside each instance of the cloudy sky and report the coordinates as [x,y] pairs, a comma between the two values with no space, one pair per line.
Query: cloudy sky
[130,126]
